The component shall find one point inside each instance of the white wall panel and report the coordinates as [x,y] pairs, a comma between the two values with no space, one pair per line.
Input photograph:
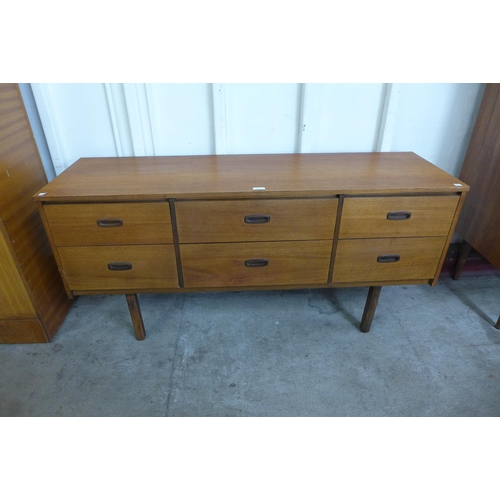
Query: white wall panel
[141,131]
[81,115]
[343,117]
[45,106]
[433,120]
[182,119]
[389,115]
[262,118]
[119,117]
[38,132]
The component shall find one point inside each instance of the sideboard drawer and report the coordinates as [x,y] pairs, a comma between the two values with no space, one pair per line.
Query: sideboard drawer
[255,264]
[256,220]
[119,267]
[109,223]
[387,259]
[378,217]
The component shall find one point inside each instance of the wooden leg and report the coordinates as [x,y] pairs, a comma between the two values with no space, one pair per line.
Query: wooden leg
[135,314]
[370,306]
[497,326]
[462,257]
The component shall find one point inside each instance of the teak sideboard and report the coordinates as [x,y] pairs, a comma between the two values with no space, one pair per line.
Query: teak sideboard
[247,222]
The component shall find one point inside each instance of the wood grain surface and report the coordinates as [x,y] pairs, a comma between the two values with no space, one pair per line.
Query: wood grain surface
[356,260]
[153,266]
[14,299]
[21,170]
[224,221]
[223,264]
[479,222]
[230,176]
[21,331]
[143,223]
[21,175]
[367,217]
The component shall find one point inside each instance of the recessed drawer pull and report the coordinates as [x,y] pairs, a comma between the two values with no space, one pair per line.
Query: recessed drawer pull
[256,263]
[119,266]
[388,258]
[110,222]
[257,219]
[399,215]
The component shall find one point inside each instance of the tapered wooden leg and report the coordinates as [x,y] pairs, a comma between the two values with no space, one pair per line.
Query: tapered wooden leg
[497,326]
[135,314]
[370,306]
[465,249]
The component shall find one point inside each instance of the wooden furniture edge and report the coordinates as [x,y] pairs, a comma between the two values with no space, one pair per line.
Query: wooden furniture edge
[243,195]
[26,330]
[251,288]
[450,236]
[176,243]
[136,316]
[463,253]
[336,233]
[370,307]
[53,246]
[25,283]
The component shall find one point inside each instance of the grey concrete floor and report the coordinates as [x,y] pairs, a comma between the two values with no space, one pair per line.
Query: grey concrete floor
[430,352]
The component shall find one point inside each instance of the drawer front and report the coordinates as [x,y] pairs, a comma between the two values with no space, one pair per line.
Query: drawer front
[388,259]
[256,220]
[254,264]
[110,223]
[120,267]
[404,216]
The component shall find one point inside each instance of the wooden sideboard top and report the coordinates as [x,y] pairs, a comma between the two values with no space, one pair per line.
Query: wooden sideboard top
[228,176]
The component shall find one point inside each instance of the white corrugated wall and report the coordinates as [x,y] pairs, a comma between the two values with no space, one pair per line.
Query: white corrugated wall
[433,120]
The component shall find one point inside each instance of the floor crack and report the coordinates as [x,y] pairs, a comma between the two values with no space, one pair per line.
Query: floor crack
[171,379]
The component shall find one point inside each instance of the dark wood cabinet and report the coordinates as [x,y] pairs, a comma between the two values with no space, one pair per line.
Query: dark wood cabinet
[479,223]
[33,302]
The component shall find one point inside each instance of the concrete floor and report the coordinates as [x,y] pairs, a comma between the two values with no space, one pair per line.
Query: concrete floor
[430,352]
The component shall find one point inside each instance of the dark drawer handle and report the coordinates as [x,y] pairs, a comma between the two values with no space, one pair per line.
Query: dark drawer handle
[388,258]
[119,266]
[399,215]
[257,219]
[110,222]
[256,263]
